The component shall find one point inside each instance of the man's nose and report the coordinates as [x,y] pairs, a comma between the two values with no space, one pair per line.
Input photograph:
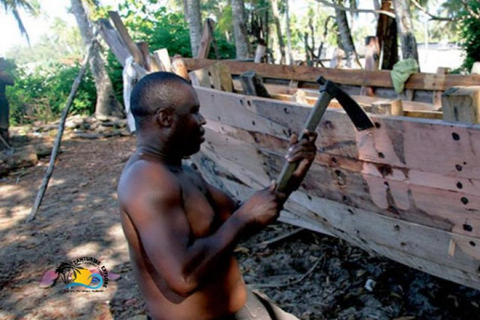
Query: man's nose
[202,120]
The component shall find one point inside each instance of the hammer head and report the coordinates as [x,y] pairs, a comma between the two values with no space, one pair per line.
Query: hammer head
[358,116]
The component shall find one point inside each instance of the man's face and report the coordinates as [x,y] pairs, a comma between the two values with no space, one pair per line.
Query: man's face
[188,129]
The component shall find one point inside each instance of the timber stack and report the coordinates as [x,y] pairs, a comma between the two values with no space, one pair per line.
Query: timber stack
[408,189]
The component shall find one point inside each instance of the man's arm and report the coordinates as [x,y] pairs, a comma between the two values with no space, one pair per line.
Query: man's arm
[152,197]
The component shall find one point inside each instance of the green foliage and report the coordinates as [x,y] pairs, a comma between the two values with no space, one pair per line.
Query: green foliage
[161,28]
[42,94]
[471,35]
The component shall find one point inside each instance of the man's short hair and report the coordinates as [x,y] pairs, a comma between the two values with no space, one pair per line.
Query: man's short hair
[155,91]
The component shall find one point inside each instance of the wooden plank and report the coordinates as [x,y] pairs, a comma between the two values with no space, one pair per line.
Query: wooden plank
[253,85]
[437,95]
[410,108]
[387,107]
[205,41]
[414,199]
[216,76]
[179,68]
[163,59]
[420,247]
[114,41]
[144,49]
[461,104]
[220,77]
[418,81]
[200,78]
[123,32]
[395,153]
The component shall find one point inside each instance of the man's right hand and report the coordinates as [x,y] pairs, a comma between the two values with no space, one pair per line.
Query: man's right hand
[263,207]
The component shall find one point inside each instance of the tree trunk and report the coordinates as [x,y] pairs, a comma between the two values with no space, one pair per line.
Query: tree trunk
[346,38]
[276,19]
[289,40]
[242,45]
[387,37]
[405,28]
[107,103]
[194,19]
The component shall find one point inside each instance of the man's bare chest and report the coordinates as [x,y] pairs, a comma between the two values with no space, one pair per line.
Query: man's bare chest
[198,208]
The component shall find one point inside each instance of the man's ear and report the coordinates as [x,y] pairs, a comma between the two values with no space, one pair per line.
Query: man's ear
[165,117]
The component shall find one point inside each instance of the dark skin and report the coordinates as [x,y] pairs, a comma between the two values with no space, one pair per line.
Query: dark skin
[181,230]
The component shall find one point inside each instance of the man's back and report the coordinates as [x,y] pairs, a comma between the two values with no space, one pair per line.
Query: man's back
[223,291]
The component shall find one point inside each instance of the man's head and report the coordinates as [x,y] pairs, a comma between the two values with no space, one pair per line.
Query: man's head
[165,106]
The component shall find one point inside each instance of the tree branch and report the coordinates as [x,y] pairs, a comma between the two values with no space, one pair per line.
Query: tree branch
[336,6]
[433,17]
[469,9]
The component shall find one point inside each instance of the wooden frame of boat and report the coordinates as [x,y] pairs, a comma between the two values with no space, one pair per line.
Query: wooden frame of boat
[408,190]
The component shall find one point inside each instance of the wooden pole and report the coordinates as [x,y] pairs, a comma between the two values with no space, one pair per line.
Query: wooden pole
[125,36]
[58,139]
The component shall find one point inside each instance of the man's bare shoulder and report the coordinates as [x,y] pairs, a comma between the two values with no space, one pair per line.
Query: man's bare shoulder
[143,180]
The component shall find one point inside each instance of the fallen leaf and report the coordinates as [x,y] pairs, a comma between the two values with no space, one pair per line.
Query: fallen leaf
[48,279]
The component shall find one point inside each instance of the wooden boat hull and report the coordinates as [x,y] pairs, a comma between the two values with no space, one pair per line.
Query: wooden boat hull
[408,190]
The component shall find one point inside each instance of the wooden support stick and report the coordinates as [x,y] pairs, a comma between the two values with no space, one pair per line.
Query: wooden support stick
[114,41]
[58,139]
[207,38]
[122,30]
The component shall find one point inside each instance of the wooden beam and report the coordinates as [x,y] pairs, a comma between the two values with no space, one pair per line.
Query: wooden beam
[163,59]
[179,68]
[388,107]
[409,243]
[461,104]
[253,85]
[423,187]
[123,32]
[114,41]
[418,81]
[205,41]
[437,95]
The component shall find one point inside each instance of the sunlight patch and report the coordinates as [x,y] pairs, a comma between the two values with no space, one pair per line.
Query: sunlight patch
[88,249]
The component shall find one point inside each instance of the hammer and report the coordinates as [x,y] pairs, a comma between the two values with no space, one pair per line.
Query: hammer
[328,91]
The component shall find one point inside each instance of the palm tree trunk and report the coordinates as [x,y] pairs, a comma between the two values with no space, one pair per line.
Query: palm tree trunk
[289,40]
[276,19]
[194,18]
[107,103]
[346,38]
[242,45]
[387,36]
[405,29]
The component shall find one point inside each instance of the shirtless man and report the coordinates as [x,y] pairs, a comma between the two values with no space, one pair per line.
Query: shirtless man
[182,231]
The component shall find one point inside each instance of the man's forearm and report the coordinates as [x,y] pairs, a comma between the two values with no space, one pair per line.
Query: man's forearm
[206,254]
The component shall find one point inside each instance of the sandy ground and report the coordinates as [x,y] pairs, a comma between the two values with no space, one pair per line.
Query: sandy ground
[310,275]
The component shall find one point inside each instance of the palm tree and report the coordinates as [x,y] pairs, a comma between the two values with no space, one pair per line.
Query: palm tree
[405,29]
[107,104]
[240,29]
[67,269]
[13,6]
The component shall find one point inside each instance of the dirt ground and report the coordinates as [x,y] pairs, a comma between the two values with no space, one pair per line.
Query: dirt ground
[311,275]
